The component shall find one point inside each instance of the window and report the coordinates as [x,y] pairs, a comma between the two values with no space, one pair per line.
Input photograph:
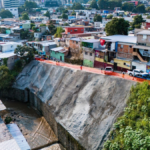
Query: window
[86,53]
[130,46]
[121,46]
[11,46]
[70,30]
[90,54]
[81,29]
[76,42]
[144,37]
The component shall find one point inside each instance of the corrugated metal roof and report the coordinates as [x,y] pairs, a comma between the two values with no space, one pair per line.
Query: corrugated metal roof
[17,135]
[9,145]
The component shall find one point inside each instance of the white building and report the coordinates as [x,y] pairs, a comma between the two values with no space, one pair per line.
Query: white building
[10,3]
[8,46]
[14,11]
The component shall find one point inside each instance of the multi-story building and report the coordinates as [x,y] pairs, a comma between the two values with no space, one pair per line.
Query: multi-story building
[10,3]
[13,10]
[88,47]
[141,51]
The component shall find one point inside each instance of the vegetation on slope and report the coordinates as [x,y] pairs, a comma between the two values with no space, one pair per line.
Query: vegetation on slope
[132,130]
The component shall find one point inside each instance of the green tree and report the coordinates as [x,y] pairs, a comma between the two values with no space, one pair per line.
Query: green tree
[58,32]
[109,16]
[127,6]
[148,9]
[131,131]
[137,21]
[47,14]
[64,16]
[65,11]
[103,4]
[42,25]
[29,5]
[6,14]
[94,4]
[117,26]
[148,17]
[77,6]
[32,25]
[52,28]
[6,78]
[140,9]
[114,3]
[73,13]
[97,18]
[25,16]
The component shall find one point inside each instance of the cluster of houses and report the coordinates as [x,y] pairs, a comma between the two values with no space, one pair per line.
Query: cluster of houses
[82,39]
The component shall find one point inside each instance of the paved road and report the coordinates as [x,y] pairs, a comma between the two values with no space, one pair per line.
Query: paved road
[94,70]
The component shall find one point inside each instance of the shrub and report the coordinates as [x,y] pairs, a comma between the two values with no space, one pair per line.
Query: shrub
[8,120]
[132,130]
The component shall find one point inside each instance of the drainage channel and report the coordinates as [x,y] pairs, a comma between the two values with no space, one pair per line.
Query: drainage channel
[32,126]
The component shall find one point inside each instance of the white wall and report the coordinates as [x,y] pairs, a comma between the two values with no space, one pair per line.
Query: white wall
[9,47]
[139,65]
[14,11]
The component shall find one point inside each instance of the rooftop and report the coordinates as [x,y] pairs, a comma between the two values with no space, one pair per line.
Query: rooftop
[147,32]
[91,40]
[6,55]
[120,38]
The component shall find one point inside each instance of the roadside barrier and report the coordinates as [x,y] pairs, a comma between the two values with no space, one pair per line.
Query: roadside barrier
[94,70]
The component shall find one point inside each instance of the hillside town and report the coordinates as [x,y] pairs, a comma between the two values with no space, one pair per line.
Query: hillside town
[90,35]
[69,70]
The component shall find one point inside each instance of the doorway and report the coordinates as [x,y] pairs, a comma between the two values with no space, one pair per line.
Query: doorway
[115,66]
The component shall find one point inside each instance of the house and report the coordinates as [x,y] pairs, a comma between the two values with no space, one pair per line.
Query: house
[75,44]
[141,51]
[58,53]
[11,59]
[38,35]
[8,46]
[43,47]
[88,47]
[74,30]
[145,25]
[117,52]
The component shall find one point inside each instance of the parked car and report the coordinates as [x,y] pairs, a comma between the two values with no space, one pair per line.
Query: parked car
[136,72]
[143,76]
[109,69]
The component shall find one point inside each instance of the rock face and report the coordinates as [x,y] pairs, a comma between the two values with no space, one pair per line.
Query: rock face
[85,104]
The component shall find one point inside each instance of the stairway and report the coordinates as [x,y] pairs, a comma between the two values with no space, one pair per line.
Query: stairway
[139,56]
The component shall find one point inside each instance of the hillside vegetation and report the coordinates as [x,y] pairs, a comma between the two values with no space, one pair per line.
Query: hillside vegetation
[132,130]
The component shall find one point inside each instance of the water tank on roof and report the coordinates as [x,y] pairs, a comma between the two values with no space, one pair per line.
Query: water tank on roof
[105,11]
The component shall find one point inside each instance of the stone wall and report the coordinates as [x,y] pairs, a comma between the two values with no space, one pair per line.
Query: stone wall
[80,107]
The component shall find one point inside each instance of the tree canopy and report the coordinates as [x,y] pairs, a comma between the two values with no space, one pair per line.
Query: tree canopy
[97,18]
[6,14]
[148,9]
[47,14]
[94,4]
[127,6]
[137,21]
[77,6]
[52,28]
[117,26]
[64,16]
[25,16]
[29,5]
[73,13]
[58,32]
[139,9]
[5,77]
[109,16]
[132,130]
[109,4]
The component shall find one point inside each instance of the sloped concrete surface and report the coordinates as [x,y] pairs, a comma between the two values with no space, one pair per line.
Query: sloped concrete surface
[85,104]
